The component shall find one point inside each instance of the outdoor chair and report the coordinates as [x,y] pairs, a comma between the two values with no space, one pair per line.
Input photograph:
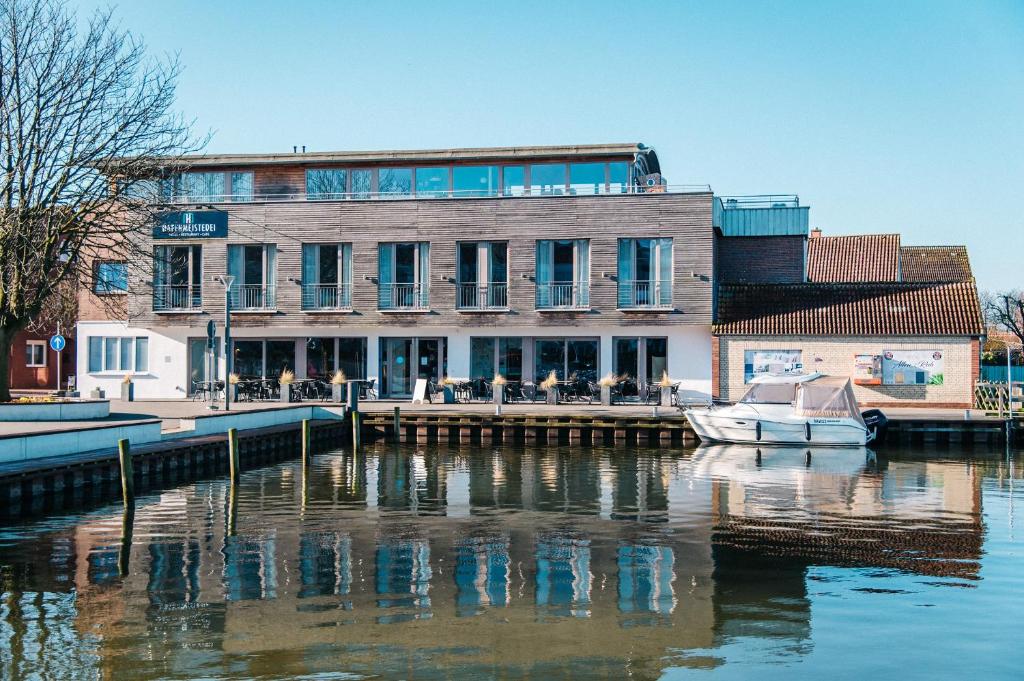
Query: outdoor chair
[200,390]
[367,390]
[593,392]
[532,392]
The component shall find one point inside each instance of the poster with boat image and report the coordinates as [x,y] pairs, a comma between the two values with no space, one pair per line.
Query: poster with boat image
[912,367]
[757,362]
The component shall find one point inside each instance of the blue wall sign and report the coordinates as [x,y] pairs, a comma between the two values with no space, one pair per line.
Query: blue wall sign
[57,342]
[192,224]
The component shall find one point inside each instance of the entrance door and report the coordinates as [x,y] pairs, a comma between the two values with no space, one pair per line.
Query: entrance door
[403,360]
[199,361]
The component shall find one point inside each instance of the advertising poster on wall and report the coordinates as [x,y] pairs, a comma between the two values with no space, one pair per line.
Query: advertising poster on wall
[912,367]
[757,362]
[867,369]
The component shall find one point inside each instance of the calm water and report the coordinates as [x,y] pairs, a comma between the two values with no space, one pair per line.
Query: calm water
[541,563]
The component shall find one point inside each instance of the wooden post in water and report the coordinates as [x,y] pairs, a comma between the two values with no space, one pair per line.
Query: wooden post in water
[232,510]
[233,466]
[124,454]
[397,427]
[125,552]
[307,450]
[356,429]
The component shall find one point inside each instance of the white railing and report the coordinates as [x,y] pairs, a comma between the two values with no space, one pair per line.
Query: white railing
[327,297]
[493,296]
[433,194]
[177,297]
[645,294]
[563,295]
[253,297]
[403,297]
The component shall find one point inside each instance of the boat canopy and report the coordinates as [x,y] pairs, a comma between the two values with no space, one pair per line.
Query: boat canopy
[827,397]
[776,388]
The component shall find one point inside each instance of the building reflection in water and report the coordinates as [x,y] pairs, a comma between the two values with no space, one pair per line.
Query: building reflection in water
[482,574]
[645,580]
[403,579]
[325,564]
[563,575]
[250,568]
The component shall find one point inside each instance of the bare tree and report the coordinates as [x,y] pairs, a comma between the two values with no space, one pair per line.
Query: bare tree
[1005,311]
[86,125]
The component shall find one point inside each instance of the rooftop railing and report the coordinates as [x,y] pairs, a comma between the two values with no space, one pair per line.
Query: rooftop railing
[426,195]
[761,201]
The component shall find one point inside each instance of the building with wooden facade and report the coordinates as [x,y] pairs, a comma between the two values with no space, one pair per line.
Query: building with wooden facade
[398,265]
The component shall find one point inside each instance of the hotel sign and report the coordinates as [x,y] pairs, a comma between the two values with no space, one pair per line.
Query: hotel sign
[192,224]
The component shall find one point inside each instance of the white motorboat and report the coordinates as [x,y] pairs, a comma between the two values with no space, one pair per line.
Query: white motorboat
[791,409]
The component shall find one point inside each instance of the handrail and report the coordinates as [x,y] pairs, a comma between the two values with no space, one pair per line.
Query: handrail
[482,296]
[563,295]
[254,297]
[645,294]
[327,296]
[403,297]
[177,297]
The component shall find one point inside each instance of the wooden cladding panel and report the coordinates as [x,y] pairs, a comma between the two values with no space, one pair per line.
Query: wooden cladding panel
[686,218]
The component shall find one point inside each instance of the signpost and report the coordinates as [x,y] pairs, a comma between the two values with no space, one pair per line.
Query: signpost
[211,362]
[57,344]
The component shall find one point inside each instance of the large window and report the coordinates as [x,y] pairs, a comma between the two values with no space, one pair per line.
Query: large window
[433,182]
[643,360]
[241,186]
[263,358]
[35,353]
[326,183]
[177,278]
[326,276]
[475,180]
[645,273]
[404,275]
[254,268]
[324,356]
[362,184]
[563,274]
[547,178]
[111,277]
[491,356]
[569,358]
[618,177]
[513,181]
[482,275]
[587,178]
[118,353]
[394,182]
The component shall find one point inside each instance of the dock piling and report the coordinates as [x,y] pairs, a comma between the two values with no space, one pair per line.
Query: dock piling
[356,430]
[124,454]
[306,443]
[233,466]
[397,426]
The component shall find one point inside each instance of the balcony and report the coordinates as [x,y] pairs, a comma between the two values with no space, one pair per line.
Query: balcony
[327,297]
[645,295]
[563,295]
[177,298]
[253,298]
[403,297]
[478,297]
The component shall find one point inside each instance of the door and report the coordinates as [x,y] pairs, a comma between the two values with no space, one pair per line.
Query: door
[396,360]
[199,361]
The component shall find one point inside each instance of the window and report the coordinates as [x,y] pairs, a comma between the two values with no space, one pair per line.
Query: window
[757,362]
[475,180]
[587,178]
[569,358]
[563,274]
[433,182]
[111,277]
[118,353]
[618,177]
[326,184]
[362,184]
[482,275]
[254,269]
[547,178]
[241,186]
[326,276]
[177,278]
[642,360]
[262,358]
[403,275]
[35,353]
[513,182]
[194,187]
[645,273]
[394,182]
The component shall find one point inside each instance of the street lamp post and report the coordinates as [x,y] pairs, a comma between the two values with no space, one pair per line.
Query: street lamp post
[226,280]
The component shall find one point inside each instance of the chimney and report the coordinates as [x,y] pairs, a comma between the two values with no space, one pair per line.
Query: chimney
[295,150]
[303,148]
[815,233]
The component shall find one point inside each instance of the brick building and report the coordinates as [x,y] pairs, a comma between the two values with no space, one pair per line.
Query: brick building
[904,322]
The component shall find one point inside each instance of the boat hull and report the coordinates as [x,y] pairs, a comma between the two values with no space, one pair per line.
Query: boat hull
[750,429]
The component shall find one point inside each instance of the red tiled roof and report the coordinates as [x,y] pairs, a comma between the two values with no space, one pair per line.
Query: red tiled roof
[849,309]
[935,263]
[864,257]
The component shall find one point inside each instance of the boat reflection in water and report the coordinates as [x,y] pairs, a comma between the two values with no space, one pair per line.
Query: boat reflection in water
[548,563]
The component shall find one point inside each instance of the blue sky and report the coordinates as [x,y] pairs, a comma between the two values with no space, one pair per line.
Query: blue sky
[884,117]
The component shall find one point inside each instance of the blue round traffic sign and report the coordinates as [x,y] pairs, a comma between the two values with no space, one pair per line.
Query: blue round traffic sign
[57,343]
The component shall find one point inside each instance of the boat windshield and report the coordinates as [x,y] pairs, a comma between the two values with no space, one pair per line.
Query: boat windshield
[770,393]
[828,397]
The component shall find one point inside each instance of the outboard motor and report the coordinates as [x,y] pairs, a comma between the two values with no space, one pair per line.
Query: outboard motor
[877,422]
